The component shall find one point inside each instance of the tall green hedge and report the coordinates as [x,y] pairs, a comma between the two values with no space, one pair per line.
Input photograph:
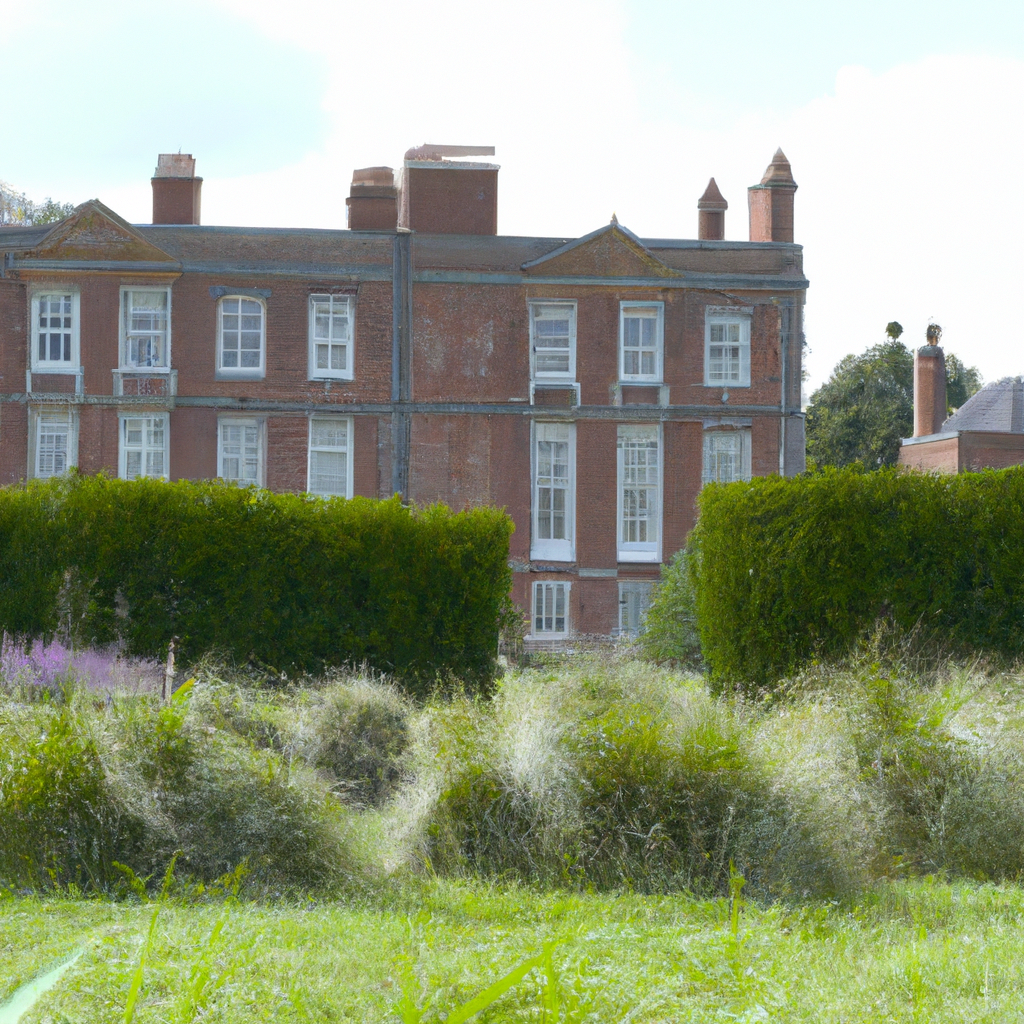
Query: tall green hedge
[290,581]
[788,569]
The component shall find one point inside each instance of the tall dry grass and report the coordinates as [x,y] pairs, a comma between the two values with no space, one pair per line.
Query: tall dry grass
[595,774]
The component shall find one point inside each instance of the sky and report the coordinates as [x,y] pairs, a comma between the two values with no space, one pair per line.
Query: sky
[902,121]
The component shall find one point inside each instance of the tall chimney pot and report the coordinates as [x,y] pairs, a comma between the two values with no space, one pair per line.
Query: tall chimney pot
[929,385]
[373,200]
[176,189]
[440,196]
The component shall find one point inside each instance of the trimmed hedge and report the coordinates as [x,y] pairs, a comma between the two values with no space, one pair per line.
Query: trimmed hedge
[286,580]
[789,569]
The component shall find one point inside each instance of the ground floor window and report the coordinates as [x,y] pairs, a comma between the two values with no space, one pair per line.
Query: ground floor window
[54,442]
[726,456]
[634,600]
[550,609]
[330,456]
[240,451]
[144,447]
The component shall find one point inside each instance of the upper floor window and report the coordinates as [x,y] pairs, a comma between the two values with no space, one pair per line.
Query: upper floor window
[639,473]
[144,447]
[240,336]
[641,340]
[55,331]
[553,340]
[330,458]
[330,336]
[727,348]
[726,456]
[554,468]
[240,450]
[145,328]
[54,442]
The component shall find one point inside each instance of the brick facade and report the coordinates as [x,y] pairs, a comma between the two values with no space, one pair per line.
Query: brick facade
[444,399]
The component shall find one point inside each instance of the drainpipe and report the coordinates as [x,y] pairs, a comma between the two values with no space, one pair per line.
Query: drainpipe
[401,361]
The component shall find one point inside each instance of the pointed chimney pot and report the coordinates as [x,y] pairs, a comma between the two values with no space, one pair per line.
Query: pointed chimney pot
[771,202]
[711,209]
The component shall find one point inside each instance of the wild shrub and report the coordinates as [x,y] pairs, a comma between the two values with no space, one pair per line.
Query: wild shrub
[942,760]
[289,581]
[609,779]
[670,627]
[88,782]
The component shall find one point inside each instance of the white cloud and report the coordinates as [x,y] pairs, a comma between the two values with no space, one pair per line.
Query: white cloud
[908,206]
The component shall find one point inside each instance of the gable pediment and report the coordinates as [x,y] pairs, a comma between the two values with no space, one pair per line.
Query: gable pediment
[95,232]
[611,251]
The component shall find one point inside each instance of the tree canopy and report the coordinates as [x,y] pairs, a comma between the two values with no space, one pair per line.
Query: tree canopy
[17,208]
[865,409]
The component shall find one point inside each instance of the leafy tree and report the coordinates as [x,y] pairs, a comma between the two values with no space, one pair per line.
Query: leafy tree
[865,409]
[17,208]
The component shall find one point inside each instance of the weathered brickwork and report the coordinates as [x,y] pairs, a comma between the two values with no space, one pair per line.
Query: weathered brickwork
[441,397]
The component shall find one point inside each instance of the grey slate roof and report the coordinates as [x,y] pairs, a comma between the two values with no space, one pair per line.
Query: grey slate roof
[21,236]
[997,407]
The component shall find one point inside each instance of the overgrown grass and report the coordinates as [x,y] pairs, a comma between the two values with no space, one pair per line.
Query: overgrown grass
[610,775]
[922,951]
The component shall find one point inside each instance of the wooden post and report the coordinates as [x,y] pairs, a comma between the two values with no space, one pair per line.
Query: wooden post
[168,686]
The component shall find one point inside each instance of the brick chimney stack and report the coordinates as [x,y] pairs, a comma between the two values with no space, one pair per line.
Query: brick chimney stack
[176,189]
[771,203]
[929,385]
[440,196]
[711,209]
[373,200]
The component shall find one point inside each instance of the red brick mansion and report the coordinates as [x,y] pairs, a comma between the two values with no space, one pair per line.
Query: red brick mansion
[589,385]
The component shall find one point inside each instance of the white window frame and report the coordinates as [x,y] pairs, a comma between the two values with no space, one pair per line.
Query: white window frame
[548,590]
[648,550]
[553,549]
[38,419]
[726,317]
[71,365]
[241,372]
[658,374]
[326,373]
[225,422]
[632,595]
[125,361]
[314,449]
[537,310]
[144,447]
[740,437]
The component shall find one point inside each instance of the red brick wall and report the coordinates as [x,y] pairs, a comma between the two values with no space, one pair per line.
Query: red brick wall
[990,450]
[365,457]
[193,444]
[176,200]
[97,439]
[287,453]
[932,456]
[450,200]
[596,489]
[13,442]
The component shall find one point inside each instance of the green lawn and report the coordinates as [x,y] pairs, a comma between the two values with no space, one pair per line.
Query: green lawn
[924,951]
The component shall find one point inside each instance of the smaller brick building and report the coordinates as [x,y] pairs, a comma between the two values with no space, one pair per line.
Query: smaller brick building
[986,432]
[588,385]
